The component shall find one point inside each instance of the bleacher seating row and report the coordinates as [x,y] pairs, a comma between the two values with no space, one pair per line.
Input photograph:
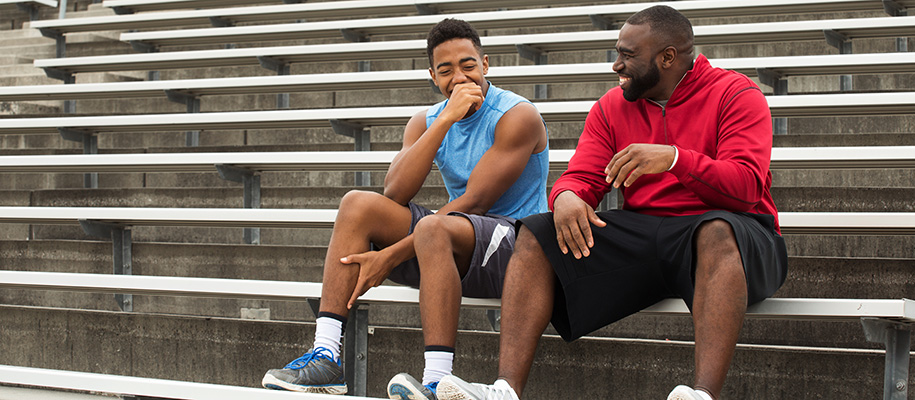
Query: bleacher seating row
[611,13]
[562,111]
[887,318]
[784,67]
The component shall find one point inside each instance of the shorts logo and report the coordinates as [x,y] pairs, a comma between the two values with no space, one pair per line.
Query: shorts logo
[497,235]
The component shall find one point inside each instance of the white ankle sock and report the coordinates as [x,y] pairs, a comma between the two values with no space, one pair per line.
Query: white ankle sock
[329,335]
[704,395]
[438,364]
[503,384]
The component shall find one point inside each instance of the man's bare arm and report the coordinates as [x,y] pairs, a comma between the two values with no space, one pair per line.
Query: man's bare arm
[519,134]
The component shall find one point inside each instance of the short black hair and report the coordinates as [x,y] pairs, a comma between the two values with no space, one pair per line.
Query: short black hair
[672,27]
[449,29]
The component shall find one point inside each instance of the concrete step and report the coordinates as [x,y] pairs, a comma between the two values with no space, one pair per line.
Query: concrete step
[13,60]
[24,40]
[175,347]
[19,393]
[24,109]
[20,70]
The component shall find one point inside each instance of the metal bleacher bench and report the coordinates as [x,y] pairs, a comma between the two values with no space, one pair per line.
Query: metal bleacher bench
[361,118]
[348,8]
[558,15]
[530,45]
[145,388]
[711,34]
[558,111]
[882,63]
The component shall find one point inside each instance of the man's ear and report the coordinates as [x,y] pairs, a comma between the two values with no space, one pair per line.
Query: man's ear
[485,64]
[668,56]
[432,75]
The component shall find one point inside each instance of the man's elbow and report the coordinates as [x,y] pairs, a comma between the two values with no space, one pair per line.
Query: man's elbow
[397,196]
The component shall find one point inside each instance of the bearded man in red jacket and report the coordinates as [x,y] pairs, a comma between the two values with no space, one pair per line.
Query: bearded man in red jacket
[689,146]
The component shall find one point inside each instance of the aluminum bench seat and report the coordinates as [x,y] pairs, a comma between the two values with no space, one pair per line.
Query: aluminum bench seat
[877,63]
[705,34]
[775,308]
[839,223]
[336,9]
[782,158]
[481,20]
[143,387]
[564,111]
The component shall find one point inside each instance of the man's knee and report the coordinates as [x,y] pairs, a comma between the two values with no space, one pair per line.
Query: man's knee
[360,205]
[435,230]
[716,245]
[527,249]
[716,233]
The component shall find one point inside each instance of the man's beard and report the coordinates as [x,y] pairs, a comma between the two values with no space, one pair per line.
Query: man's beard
[639,85]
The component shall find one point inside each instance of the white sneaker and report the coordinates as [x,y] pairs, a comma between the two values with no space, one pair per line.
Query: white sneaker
[454,388]
[684,392]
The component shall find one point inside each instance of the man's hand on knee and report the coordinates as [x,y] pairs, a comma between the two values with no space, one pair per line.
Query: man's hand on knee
[573,218]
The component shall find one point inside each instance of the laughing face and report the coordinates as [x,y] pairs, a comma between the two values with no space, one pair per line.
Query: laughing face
[637,64]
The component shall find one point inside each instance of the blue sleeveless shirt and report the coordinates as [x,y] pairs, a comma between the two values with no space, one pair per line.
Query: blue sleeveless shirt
[469,138]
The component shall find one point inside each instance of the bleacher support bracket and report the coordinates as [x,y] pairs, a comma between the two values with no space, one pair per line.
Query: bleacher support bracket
[90,146]
[843,43]
[281,68]
[363,143]
[896,336]
[539,58]
[193,106]
[121,244]
[779,85]
[252,193]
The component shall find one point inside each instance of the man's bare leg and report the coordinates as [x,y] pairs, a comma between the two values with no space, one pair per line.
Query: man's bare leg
[527,306]
[363,218]
[444,246]
[719,304]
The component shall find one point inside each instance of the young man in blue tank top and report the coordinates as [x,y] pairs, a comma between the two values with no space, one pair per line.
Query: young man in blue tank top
[491,148]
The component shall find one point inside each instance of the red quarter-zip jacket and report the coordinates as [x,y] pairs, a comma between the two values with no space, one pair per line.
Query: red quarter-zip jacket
[720,123]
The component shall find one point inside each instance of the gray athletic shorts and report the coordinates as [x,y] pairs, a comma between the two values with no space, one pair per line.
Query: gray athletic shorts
[495,240]
[640,259]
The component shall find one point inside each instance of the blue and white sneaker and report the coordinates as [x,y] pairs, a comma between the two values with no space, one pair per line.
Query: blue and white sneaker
[313,372]
[404,387]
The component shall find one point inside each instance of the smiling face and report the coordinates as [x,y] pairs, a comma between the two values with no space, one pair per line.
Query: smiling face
[458,61]
[637,64]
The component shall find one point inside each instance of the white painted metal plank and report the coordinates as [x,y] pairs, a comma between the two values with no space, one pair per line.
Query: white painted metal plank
[808,309]
[704,34]
[838,223]
[230,217]
[782,158]
[551,73]
[778,308]
[841,223]
[562,111]
[157,388]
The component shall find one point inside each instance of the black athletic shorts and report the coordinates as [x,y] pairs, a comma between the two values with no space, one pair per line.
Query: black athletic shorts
[494,243]
[638,260]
